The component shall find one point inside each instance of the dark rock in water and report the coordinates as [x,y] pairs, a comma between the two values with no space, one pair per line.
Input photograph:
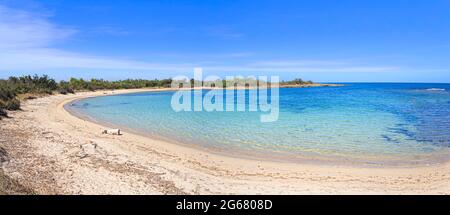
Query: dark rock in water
[389,139]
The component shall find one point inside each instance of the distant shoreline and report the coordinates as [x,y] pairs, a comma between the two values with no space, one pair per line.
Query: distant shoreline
[312,85]
[150,89]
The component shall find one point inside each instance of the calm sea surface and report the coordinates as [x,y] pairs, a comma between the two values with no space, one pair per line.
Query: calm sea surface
[361,123]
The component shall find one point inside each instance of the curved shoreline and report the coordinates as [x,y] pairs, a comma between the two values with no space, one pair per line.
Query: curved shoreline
[84,161]
[276,157]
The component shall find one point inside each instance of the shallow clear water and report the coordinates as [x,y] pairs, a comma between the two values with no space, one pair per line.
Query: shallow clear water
[368,123]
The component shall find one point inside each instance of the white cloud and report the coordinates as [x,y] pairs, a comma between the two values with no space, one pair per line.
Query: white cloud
[21,29]
[300,69]
[45,58]
[304,65]
[28,41]
[297,63]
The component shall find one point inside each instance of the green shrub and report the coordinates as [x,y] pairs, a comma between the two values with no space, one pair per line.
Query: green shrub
[65,88]
[65,91]
[12,104]
[30,84]
[6,93]
[297,81]
[3,113]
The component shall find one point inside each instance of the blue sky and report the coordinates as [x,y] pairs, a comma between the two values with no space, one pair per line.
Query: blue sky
[326,41]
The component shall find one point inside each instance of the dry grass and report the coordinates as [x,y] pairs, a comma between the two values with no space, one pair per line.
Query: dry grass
[9,186]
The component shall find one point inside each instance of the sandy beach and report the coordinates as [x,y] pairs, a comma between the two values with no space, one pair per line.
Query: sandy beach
[51,151]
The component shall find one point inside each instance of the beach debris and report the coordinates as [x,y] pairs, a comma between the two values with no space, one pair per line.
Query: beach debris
[196,190]
[30,97]
[89,147]
[3,155]
[82,156]
[86,150]
[112,131]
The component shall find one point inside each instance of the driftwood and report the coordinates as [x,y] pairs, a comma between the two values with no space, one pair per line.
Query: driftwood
[112,131]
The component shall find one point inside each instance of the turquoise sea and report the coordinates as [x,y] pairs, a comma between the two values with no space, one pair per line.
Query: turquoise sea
[361,123]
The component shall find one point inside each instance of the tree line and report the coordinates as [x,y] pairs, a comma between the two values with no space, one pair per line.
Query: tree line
[27,87]
[297,81]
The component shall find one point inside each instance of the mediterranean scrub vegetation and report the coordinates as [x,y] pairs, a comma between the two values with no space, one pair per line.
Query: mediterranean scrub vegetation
[12,87]
[297,81]
[15,89]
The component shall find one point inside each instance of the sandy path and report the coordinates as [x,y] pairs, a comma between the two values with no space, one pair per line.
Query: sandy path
[53,152]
